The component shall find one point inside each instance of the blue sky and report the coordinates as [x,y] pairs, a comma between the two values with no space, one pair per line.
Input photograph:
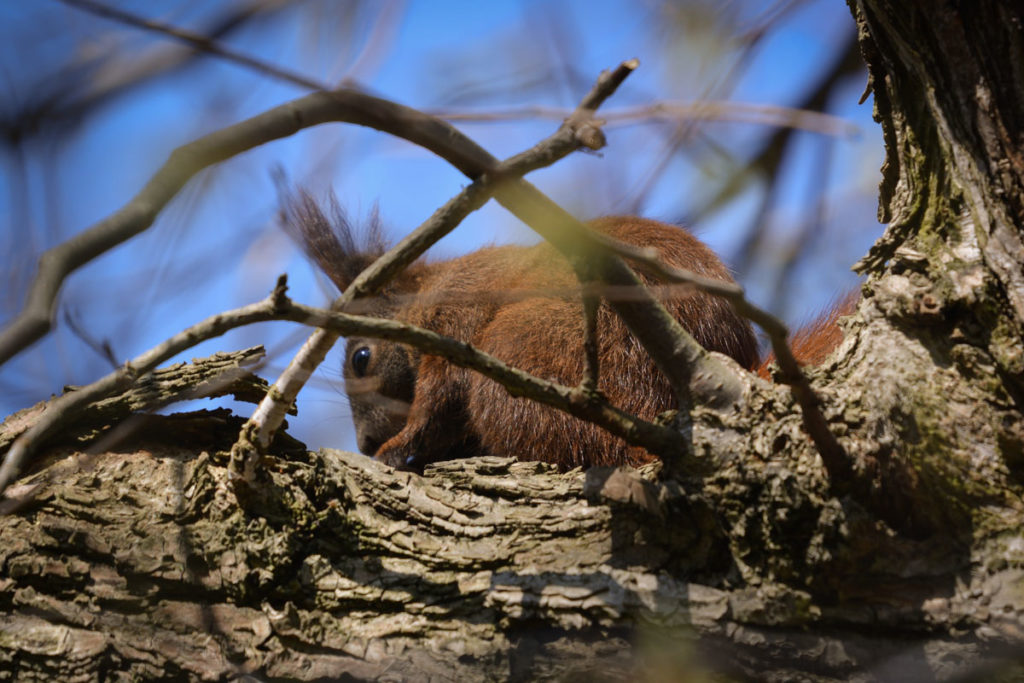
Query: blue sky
[216,246]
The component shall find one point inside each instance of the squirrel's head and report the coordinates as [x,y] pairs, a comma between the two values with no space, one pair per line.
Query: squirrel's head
[380,378]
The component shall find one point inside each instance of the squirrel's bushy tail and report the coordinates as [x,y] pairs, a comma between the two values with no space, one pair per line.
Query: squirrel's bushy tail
[813,343]
[333,243]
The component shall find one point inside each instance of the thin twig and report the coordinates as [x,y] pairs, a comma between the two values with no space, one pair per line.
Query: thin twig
[693,373]
[710,110]
[258,431]
[662,441]
[35,318]
[198,41]
[564,141]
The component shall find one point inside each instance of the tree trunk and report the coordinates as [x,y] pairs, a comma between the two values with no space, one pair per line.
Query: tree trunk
[757,561]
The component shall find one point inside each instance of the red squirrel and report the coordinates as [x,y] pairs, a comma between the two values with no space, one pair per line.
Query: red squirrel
[411,409]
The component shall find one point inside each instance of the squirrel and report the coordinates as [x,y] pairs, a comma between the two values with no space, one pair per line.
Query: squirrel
[411,409]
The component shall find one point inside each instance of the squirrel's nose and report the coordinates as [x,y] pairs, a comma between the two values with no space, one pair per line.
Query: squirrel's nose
[367,444]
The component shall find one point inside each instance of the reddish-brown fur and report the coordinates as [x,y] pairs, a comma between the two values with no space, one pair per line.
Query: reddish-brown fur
[813,343]
[411,409]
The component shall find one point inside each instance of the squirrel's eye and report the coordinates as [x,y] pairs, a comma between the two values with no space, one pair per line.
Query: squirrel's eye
[360,360]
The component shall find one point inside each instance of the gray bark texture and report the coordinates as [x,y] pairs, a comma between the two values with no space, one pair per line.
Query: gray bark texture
[753,561]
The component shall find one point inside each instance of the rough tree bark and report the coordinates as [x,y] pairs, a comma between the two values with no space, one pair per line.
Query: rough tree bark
[757,559]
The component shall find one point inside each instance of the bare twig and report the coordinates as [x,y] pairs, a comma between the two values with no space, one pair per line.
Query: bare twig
[35,319]
[259,429]
[198,41]
[564,141]
[662,441]
[689,368]
[693,373]
[102,348]
[711,110]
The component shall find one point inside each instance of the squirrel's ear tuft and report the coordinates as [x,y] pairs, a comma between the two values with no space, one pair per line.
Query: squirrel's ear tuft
[333,243]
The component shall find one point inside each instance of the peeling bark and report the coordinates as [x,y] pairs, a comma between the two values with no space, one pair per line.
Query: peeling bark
[143,565]
[223,374]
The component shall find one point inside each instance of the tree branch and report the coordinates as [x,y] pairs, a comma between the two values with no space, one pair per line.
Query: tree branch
[662,441]
[694,374]
[690,369]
